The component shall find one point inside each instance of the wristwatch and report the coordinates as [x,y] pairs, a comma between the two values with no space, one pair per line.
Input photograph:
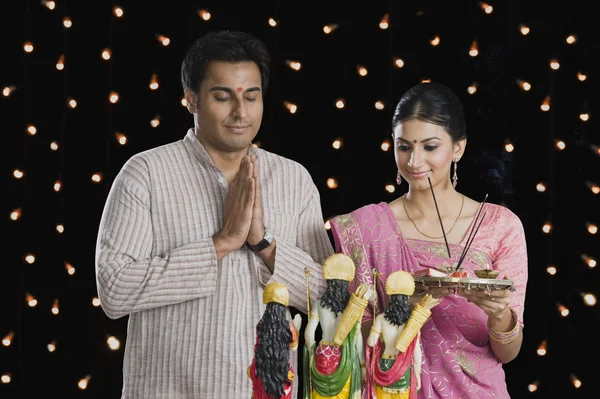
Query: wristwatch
[264,243]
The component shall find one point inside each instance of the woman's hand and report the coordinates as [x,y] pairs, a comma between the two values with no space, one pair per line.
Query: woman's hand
[493,302]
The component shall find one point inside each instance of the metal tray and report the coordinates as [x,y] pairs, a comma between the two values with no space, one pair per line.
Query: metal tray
[488,284]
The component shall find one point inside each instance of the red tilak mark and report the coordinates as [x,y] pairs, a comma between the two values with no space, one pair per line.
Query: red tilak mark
[415,141]
[239,89]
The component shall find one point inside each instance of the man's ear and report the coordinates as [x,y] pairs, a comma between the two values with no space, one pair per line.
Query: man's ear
[190,101]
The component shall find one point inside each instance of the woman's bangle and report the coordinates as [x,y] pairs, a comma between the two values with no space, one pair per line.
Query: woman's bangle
[504,338]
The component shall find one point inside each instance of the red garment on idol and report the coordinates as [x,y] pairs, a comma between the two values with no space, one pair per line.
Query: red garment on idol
[327,358]
[258,388]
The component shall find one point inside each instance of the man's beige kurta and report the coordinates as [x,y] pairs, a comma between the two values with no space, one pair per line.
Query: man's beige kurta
[192,320]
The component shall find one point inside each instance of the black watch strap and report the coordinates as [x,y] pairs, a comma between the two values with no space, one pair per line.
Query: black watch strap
[264,243]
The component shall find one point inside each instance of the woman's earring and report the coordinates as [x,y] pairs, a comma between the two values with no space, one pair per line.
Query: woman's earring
[455,177]
[398,179]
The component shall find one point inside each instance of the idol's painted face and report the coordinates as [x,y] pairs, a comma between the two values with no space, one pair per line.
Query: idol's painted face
[229,108]
[422,149]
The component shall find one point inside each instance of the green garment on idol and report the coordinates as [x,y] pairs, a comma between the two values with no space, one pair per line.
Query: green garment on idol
[332,384]
[403,382]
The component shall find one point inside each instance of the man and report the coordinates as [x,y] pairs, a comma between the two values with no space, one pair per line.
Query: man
[193,230]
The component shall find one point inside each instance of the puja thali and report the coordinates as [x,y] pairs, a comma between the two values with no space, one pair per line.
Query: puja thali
[487,284]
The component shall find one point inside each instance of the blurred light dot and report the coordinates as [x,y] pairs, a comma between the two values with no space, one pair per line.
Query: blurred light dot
[204,14]
[16,214]
[83,383]
[113,343]
[118,11]
[532,387]
[399,62]
[589,299]
[52,346]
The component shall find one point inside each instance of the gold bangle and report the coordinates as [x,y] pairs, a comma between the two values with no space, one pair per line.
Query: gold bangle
[312,315]
[375,330]
[505,337]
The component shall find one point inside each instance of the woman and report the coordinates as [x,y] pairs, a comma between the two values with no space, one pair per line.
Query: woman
[470,334]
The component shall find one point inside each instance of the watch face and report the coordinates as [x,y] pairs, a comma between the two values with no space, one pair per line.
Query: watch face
[268,236]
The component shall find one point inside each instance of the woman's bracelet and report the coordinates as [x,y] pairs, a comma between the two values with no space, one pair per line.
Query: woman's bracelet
[504,338]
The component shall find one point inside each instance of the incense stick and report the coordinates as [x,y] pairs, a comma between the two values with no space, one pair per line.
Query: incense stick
[468,245]
[439,217]
[475,223]
[472,234]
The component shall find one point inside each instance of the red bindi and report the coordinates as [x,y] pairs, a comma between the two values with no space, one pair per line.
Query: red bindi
[415,141]
[239,89]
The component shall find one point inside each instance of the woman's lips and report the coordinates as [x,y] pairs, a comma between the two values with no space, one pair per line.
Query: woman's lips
[418,175]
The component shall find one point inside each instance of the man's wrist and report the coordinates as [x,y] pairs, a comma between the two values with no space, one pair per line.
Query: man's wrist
[266,241]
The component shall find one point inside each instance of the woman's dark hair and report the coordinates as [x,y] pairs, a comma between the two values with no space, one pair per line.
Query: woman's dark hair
[485,171]
[273,349]
[433,103]
[397,311]
[336,296]
[228,46]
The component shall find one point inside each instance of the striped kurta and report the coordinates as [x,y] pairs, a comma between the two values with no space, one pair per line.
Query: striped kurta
[192,320]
